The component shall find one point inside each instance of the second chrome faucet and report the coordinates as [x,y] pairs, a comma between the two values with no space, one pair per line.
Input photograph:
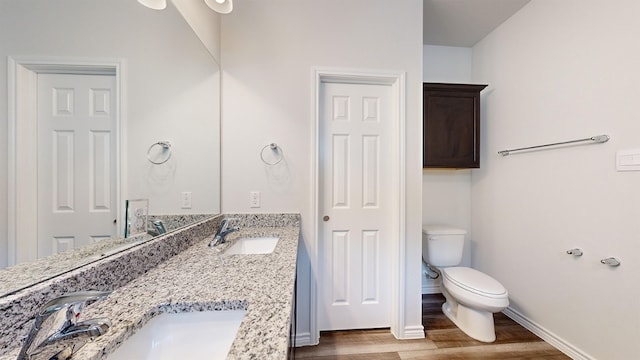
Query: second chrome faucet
[223,231]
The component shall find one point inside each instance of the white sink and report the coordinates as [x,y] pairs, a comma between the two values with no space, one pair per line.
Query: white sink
[253,245]
[190,335]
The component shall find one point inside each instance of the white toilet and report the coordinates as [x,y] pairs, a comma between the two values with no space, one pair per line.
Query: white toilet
[472,296]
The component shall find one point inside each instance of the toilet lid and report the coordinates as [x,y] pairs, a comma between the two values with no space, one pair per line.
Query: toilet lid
[474,280]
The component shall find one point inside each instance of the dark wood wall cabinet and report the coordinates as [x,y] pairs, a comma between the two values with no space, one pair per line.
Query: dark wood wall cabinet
[451,132]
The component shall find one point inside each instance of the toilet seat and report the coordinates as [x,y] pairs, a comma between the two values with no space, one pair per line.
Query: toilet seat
[475,282]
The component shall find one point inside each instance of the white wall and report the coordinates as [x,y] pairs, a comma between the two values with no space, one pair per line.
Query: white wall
[268,51]
[204,22]
[446,193]
[561,71]
[171,89]
[447,64]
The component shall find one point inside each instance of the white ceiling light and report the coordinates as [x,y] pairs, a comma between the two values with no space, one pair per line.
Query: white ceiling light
[221,6]
[154,4]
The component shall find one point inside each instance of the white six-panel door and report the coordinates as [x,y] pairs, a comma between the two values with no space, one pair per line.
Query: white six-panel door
[355,206]
[76,160]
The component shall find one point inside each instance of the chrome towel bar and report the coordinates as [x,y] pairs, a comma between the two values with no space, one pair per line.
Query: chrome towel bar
[597,139]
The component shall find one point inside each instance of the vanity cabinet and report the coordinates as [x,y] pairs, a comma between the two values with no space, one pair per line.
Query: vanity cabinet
[451,125]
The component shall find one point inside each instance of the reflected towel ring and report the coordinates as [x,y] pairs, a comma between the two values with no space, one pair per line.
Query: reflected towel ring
[279,154]
[166,147]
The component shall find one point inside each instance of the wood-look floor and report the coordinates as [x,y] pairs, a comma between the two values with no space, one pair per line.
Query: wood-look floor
[443,341]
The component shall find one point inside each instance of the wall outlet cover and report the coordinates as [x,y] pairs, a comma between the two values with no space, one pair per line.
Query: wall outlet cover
[254,199]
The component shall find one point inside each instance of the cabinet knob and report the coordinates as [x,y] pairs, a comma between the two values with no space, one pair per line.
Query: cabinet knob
[325,218]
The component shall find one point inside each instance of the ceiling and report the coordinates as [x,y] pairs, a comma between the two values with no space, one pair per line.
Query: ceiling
[464,22]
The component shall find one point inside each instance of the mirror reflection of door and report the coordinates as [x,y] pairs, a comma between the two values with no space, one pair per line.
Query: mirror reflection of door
[77,200]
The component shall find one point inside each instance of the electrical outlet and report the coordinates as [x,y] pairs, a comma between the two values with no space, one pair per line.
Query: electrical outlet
[254,199]
[186,199]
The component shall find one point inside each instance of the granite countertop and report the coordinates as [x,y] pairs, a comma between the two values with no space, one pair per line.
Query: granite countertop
[21,276]
[202,278]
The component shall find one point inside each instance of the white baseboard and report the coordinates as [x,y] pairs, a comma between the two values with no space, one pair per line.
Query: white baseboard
[412,332]
[430,289]
[547,335]
[409,332]
[304,339]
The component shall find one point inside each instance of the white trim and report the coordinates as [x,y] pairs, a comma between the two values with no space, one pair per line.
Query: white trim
[304,339]
[430,288]
[397,82]
[413,332]
[546,335]
[21,75]
[12,73]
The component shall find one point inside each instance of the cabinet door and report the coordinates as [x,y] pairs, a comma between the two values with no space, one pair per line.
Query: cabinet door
[451,125]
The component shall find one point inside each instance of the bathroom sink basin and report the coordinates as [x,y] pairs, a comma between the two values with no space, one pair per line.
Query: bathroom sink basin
[253,245]
[190,335]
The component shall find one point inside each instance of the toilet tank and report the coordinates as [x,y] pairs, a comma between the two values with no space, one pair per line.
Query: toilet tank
[442,245]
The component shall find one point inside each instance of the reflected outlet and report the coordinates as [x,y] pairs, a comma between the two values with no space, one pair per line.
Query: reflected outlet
[185,198]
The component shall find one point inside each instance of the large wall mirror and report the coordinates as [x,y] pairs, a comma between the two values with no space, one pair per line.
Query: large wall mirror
[149,80]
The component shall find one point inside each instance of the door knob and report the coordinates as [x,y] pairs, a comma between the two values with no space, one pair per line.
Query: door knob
[325,218]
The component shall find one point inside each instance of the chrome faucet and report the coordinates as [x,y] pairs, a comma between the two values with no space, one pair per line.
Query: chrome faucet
[57,333]
[222,232]
[158,225]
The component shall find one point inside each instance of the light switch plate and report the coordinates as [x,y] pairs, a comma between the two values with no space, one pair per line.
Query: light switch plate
[628,160]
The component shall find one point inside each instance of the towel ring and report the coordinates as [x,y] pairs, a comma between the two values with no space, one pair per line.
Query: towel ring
[276,149]
[166,147]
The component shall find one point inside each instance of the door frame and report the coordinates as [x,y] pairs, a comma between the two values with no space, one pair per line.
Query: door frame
[22,200]
[395,79]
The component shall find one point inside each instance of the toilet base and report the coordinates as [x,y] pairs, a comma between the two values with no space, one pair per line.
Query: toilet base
[477,324]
